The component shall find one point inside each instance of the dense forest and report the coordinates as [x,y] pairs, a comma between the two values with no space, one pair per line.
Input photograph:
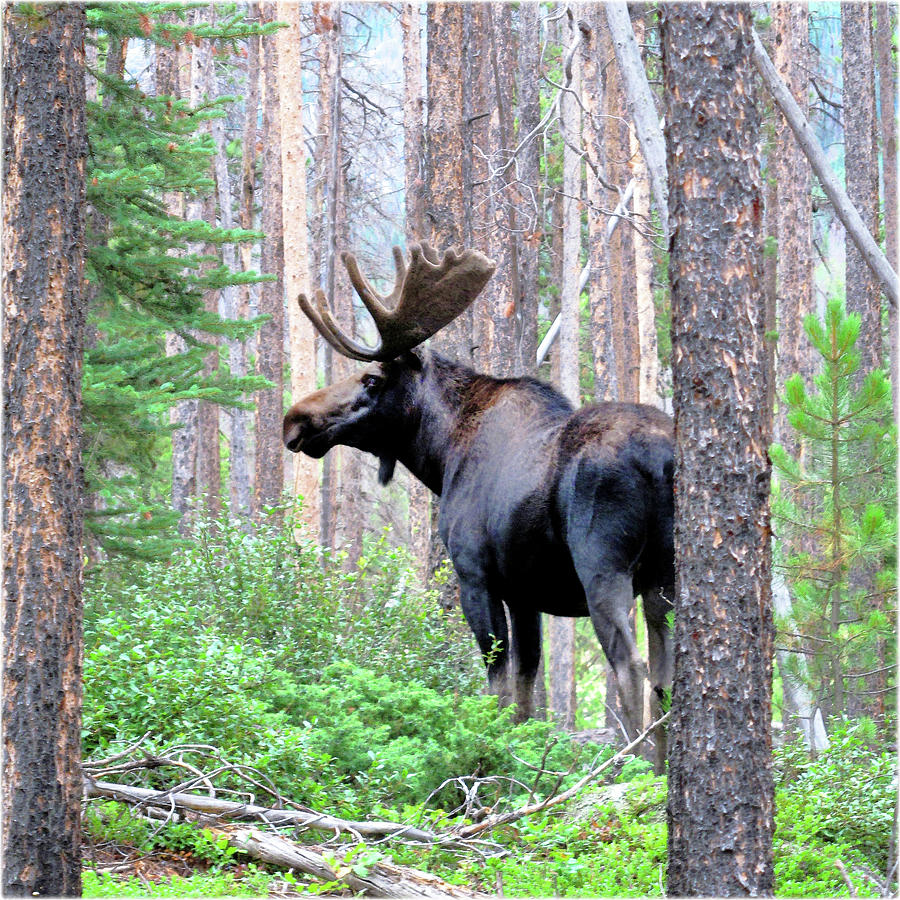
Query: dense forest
[233,669]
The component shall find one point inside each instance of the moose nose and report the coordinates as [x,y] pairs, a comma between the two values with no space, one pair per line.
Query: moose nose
[293,432]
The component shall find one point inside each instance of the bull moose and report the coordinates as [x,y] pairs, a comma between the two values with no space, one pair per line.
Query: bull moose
[543,508]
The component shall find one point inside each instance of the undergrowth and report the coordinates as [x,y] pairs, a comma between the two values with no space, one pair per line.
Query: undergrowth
[354,693]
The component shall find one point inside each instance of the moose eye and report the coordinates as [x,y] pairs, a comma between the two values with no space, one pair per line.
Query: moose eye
[371,381]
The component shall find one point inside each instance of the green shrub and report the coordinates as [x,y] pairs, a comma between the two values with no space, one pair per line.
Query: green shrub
[838,806]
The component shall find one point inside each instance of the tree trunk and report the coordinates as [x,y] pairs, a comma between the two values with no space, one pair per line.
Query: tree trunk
[603,349]
[648,356]
[296,267]
[861,168]
[844,209]
[209,473]
[621,246]
[445,207]
[639,99]
[239,459]
[500,337]
[209,469]
[414,159]
[721,804]
[529,209]
[184,416]
[887,95]
[561,631]
[270,356]
[45,151]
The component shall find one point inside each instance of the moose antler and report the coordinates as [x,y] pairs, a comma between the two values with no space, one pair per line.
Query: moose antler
[428,294]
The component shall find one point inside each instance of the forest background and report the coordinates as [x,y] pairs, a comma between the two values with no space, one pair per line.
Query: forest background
[293,616]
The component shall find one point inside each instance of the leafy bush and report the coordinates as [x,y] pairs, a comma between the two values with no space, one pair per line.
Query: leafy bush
[401,739]
[838,806]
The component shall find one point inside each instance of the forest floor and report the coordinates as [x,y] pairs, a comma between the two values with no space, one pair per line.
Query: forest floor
[157,869]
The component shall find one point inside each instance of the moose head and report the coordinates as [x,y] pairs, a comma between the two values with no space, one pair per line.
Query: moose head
[370,410]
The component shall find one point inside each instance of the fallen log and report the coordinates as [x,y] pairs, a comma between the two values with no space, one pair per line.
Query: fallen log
[213,806]
[381,879]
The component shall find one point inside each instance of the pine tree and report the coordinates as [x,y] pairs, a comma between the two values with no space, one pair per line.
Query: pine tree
[843,494]
[141,148]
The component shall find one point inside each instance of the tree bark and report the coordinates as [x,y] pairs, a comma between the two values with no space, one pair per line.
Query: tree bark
[887,95]
[184,416]
[296,252]
[239,444]
[269,480]
[639,99]
[621,246]
[603,349]
[414,160]
[498,325]
[561,631]
[45,151]
[529,210]
[843,207]
[794,284]
[861,168]
[209,473]
[648,356]
[721,803]
[445,207]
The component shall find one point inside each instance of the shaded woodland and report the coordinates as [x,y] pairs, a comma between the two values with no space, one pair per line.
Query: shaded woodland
[689,207]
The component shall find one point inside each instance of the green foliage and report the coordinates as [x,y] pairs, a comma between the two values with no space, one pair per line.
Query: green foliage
[837,807]
[147,271]
[253,883]
[835,512]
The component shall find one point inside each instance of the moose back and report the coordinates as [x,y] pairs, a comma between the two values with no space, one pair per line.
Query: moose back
[543,509]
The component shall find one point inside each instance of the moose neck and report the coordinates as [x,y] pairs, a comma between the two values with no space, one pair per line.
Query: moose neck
[441,395]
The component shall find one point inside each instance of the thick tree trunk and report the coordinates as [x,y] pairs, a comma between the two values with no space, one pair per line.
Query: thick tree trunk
[296,267]
[45,149]
[861,168]
[414,161]
[269,481]
[721,804]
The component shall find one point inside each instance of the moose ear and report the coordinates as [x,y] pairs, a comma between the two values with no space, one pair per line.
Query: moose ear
[385,469]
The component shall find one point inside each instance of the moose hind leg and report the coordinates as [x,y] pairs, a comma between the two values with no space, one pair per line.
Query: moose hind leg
[609,601]
[660,657]
[487,619]
[526,653]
